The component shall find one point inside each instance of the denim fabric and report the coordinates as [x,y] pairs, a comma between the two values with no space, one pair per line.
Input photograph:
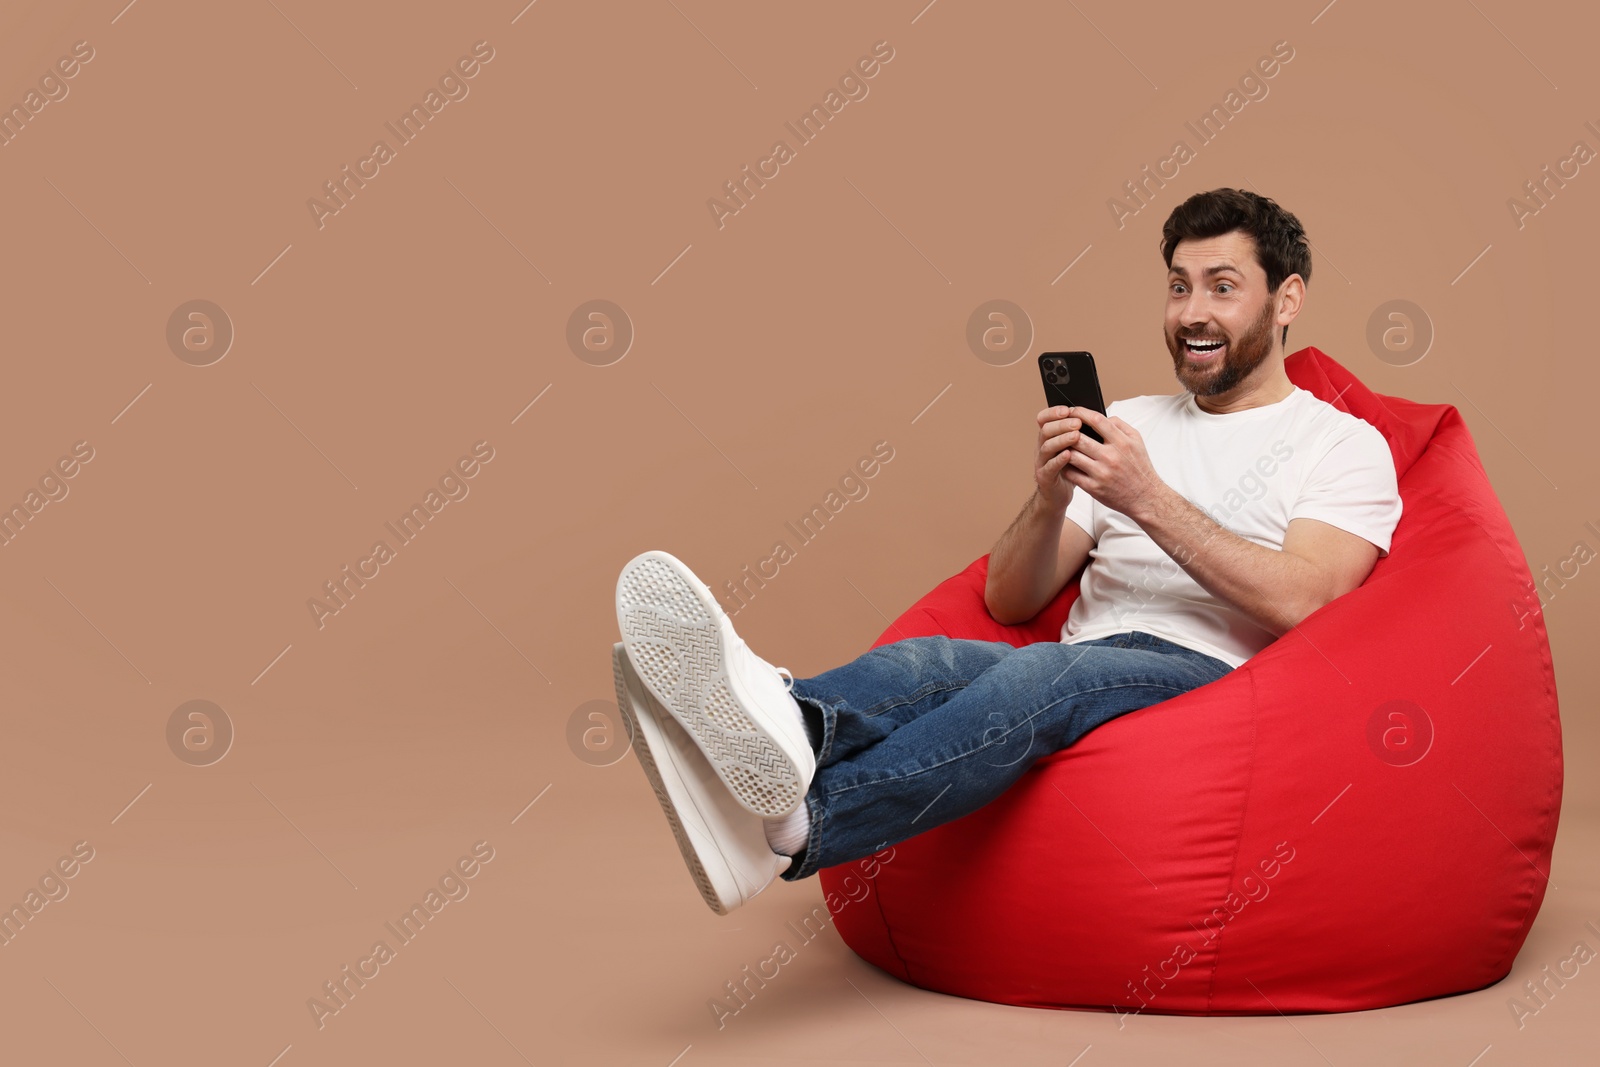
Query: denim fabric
[922,731]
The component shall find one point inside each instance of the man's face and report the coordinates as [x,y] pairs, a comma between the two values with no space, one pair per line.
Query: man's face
[1216,291]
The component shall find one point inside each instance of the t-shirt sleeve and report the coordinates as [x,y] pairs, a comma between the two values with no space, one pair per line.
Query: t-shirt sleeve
[1353,486]
[1080,509]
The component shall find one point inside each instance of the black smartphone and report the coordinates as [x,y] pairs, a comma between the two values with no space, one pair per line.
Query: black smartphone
[1070,381]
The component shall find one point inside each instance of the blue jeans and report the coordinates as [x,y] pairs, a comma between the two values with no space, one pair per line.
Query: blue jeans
[922,731]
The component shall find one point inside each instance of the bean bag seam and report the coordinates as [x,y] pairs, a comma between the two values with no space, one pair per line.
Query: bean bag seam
[888,933]
[1551,819]
[1238,837]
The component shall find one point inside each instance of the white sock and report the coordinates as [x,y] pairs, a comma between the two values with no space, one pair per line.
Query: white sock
[788,834]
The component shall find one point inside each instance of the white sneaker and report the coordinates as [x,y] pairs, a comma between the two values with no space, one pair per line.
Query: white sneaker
[735,704]
[724,846]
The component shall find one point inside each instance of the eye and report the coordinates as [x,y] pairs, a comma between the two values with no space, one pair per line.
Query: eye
[1224,285]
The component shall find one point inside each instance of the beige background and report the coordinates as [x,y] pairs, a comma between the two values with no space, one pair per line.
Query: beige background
[769,355]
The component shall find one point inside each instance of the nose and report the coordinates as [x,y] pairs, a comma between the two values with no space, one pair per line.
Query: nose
[1191,314]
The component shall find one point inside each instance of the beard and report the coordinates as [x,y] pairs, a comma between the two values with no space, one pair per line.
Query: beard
[1241,356]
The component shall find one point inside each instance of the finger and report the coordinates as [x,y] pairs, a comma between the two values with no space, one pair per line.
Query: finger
[1093,418]
[1052,445]
[1068,439]
[1047,414]
[1088,447]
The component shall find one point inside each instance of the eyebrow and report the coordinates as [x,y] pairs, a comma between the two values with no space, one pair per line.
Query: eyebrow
[1209,271]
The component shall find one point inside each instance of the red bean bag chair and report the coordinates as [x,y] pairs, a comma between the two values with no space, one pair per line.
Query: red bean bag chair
[1360,815]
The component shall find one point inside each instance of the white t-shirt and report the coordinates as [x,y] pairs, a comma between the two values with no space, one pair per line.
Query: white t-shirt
[1252,471]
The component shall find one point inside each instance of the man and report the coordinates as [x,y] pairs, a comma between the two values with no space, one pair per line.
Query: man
[1212,522]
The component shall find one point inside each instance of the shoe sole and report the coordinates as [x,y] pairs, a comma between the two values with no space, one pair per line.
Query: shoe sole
[670,627]
[642,749]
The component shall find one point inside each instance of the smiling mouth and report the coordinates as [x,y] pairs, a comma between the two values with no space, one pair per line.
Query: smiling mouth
[1203,349]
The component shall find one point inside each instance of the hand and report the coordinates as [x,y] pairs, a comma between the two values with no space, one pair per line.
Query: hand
[1117,473]
[1057,434]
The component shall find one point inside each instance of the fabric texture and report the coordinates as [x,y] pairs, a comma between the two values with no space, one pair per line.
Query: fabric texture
[1253,472]
[1359,816]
